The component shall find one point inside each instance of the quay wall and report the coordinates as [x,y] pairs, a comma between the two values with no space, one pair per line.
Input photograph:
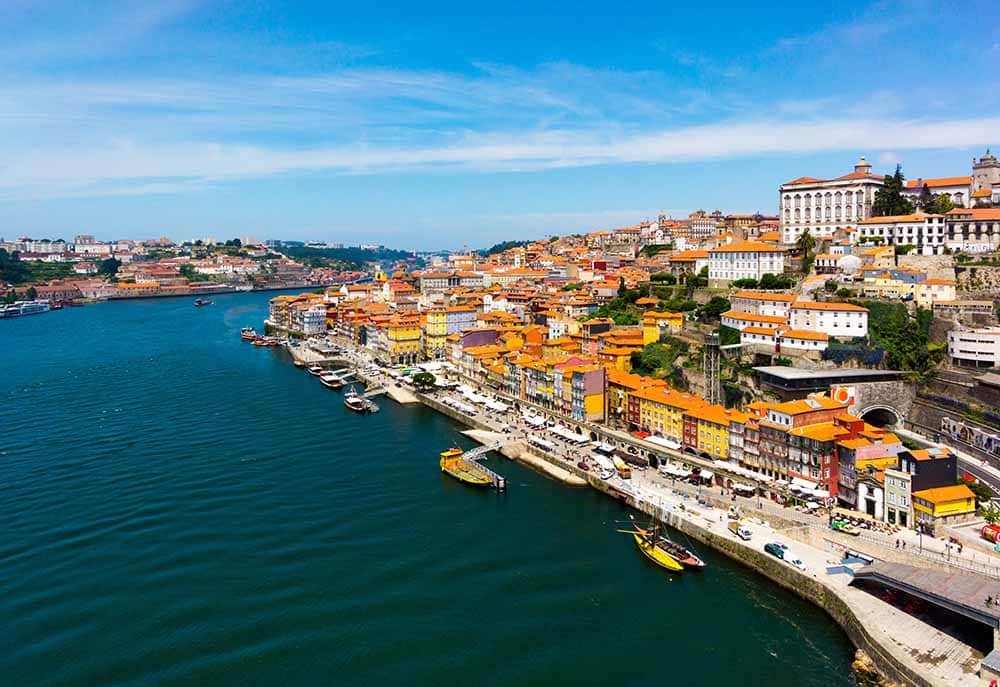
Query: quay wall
[808,588]
[792,579]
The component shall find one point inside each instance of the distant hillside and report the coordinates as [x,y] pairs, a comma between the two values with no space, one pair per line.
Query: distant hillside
[502,246]
[351,257]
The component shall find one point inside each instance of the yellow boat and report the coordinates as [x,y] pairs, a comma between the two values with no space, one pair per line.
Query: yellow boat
[655,553]
[464,470]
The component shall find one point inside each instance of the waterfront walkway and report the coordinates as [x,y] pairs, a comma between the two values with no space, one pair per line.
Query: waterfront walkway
[937,657]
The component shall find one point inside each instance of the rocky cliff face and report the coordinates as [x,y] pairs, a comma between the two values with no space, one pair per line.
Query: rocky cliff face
[978,282]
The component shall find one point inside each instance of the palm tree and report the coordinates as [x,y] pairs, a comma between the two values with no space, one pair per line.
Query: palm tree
[805,243]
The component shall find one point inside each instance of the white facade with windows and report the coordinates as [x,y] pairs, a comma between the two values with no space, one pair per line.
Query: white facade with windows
[825,205]
[927,232]
[973,230]
[744,260]
[978,347]
[841,320]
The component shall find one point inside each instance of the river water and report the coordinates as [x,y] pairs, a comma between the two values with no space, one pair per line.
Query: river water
[178,507]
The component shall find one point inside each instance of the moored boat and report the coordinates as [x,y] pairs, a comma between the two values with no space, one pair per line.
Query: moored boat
[316,370]
[655,553]
[467,471]
[679,553]
[331,380]
[353,401]
[199,302]
[248,333]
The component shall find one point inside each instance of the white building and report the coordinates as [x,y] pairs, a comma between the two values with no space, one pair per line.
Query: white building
[762,302]
[842,320]
[973,230]
[898,506]
[956,188]
[825,205]
[976,347]
[927,232]
[744,260]
[314,320]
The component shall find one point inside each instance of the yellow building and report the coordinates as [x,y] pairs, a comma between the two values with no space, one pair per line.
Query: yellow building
[941,506]
[620,385]
[710,433]
[402,334]
[656,324]
[660,410]
[931,291]
[618,357]
[435,333]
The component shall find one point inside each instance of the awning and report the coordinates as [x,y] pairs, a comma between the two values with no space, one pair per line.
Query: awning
[538,441]
[743,487]
[661,441]
[707,474]
[641,435]
[534,420]
[568,434]
[798,482]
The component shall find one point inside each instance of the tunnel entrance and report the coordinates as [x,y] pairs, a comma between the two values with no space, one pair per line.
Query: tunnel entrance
[880,416]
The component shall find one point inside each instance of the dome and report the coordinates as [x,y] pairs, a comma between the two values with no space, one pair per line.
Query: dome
[849,264]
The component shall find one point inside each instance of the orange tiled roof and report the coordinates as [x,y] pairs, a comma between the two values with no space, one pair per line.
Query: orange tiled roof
[804,334]
[748,247]
[815,305]
[957,492]
[940,181]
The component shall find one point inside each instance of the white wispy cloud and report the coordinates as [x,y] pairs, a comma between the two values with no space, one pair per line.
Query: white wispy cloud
[116,168]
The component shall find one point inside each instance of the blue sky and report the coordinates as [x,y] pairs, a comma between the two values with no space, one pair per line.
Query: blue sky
[436,125]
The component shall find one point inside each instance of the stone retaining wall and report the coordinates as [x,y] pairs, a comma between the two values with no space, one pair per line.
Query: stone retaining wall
[795,581]
[784,575]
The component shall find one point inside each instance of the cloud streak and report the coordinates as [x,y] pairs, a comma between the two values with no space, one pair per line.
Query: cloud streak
[133,167]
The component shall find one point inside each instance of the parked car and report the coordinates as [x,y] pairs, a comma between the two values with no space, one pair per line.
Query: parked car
[794,560]
[775,549]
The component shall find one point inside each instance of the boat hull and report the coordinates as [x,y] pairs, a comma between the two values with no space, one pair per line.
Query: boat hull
[657,555]
[467,476]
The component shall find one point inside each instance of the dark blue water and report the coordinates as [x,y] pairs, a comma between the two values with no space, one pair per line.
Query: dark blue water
[178,507]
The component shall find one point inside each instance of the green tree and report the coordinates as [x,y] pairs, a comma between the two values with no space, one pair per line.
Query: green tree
[502,246]
[771,281]
[831,286]
[715,307]
[31,294]
[621,287]
[10,296]
[745,283]
[424,380]
[983,493]
[235,243]
[12,269]
[109,267]
[942,204]
[805,245]
[889,200]
[925,201]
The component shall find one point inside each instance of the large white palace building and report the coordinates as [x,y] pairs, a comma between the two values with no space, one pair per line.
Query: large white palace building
[824,206]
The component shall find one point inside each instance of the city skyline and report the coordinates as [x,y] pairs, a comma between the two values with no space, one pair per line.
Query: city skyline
[433,128]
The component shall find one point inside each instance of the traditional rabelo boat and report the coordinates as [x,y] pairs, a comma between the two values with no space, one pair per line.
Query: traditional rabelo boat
[662,550]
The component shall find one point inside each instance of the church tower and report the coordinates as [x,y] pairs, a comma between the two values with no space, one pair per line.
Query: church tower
[985,172]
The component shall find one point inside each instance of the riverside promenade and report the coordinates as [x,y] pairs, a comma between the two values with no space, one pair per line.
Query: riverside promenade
[902,647]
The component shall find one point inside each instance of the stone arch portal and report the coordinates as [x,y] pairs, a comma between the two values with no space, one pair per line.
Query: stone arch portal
[882,416]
